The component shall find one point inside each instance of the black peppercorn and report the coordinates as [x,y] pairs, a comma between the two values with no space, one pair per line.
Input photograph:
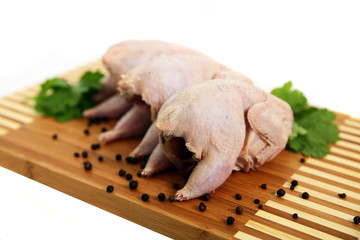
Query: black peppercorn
[238,196]
[133,184]
[263,186]
[132,160]
[342,195]
[161,197]
[260,206]
[139,174]
[128,176]
[205,197]
[230,220]
[95,146]
[86,132]
[100,158]
[87,165]
[145,197]
[103,129]
[280,192]
[171,198]
[294,183]
[202,207]
[295,215]
[292,187]
[76,154]
[302,160]
[305,195]
[239,210]
[84,154]
[122,172]
[256,201]
[110,188]
[118,157]
[176,186]
[356,219]
[54,136]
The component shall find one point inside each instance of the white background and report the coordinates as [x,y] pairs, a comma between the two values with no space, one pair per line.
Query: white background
[316,44]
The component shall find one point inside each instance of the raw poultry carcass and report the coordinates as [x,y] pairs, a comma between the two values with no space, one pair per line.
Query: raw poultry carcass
[223,125]
[121,58]
[149,86]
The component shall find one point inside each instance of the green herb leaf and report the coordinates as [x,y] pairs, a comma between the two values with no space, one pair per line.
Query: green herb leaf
[63,101]
[313,129]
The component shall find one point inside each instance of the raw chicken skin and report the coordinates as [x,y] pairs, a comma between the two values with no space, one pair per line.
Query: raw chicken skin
[226,125]
[155,81]
[121,58]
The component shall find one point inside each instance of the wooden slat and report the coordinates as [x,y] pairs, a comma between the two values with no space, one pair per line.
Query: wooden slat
[3,131]
[349,137]
[18,107]
[329,176]
[343,161]
[331,199]
[313,218]
[324,185]
[245,236]
[296,226]
[9,123]
[348,129]
[345,153]
[352,123]
[270,231]
[16,116]
[335,168]
[349,145]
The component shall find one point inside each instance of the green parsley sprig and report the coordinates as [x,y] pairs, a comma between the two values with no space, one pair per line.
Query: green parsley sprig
[64,101]
[313,128]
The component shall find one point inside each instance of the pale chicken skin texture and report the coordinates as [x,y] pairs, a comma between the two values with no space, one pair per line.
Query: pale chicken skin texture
[227,125]
[121,58]
[154,82]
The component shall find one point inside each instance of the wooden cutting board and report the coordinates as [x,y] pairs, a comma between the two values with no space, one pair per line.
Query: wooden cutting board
[27,147]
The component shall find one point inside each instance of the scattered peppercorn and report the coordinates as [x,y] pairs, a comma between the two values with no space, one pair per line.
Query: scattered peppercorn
[305,195]
[110,188]
[139,174]
[84,154]
[302,160]
[122,172]
[239,210]
[356,219]
[128,176]
[95,146]
[263,186]
[205,197]
[342,195]
[176,186]
[100,158]
[104,129]
[86,132]
[292,187]
[145,197]
[294,183]
[161,197]
[76,154]
[260,206]
[202,207]
[295,215]
[256,201]
[133,160]
[238,196]
[280,192]
[133,184]
[230,220]
[118,157]
[104,119]
[171,198]
[54,136]
[87,165]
